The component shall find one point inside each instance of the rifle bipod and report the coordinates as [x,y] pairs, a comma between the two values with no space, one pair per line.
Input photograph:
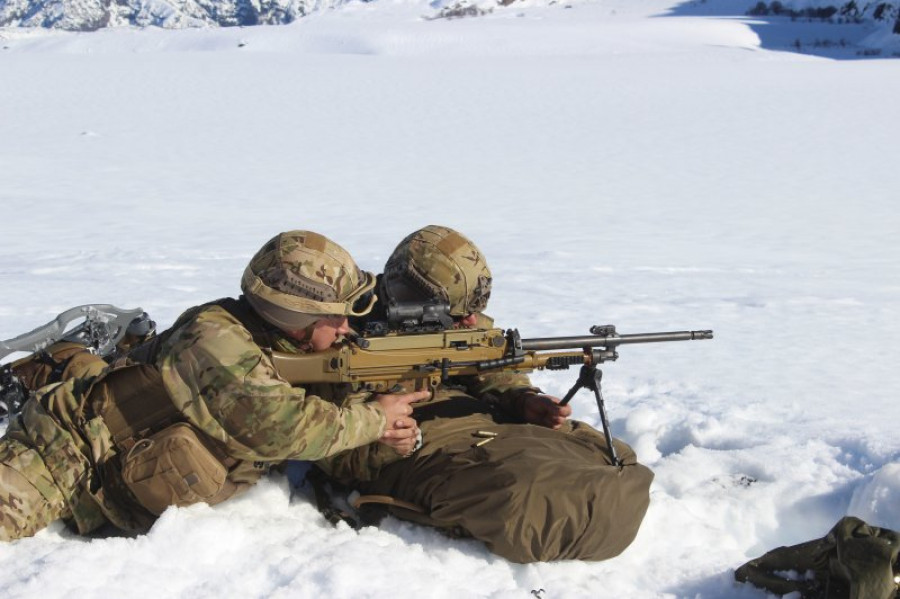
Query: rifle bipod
[589,378]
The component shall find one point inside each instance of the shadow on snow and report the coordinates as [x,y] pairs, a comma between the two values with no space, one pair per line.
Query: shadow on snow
[835,38]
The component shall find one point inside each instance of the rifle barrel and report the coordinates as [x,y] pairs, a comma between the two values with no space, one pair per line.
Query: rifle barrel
[549,343]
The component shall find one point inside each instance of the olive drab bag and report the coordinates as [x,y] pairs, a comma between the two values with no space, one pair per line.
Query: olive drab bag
[853,561]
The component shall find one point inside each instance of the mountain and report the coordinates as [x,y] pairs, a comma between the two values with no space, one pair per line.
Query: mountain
[90,15]
[849,12]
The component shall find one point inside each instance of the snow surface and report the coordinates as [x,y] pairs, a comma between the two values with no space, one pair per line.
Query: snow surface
[615,164]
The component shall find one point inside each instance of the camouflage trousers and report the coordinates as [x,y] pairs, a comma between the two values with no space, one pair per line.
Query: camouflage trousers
[45,469]
[29,497]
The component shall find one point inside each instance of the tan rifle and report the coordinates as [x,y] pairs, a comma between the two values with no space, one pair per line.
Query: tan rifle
[432,358]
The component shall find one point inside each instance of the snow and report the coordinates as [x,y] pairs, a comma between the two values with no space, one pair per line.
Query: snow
[616,161]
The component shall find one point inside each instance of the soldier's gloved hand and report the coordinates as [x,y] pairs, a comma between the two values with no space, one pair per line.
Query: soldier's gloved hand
[544,410]
[402,432]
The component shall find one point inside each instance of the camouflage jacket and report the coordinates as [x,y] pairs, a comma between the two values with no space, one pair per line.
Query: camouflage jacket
[218,375]
[224,383]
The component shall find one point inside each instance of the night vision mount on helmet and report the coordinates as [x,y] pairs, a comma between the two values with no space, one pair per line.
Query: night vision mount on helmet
[401,309]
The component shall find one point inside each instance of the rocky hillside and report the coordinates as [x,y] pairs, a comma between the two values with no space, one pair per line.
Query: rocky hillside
[851,11]
[89,15]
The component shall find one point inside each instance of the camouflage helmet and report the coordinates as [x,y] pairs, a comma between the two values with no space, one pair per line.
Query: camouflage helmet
[299,277]
[445,265]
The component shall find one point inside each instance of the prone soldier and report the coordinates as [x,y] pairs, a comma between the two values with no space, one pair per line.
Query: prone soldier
[198,413]
[498,460]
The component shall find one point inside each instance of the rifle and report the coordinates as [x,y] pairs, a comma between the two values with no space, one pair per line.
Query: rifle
[432,358]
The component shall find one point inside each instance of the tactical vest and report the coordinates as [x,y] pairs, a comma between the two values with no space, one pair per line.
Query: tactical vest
[129,394]
[164,459]
[145,455]
[160,459]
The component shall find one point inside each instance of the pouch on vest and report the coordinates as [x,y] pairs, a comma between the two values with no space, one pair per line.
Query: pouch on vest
[175,467]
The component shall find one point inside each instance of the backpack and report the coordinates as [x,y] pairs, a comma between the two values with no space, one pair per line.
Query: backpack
[853,561]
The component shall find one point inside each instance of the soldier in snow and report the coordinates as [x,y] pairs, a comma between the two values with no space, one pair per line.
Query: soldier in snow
[198,413]
[499,460]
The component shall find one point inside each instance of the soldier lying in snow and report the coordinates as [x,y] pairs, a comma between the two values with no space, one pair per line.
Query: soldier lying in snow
[200,412]
[499,461]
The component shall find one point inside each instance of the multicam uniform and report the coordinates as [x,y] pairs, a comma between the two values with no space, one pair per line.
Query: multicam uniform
[60,457]
[198,414]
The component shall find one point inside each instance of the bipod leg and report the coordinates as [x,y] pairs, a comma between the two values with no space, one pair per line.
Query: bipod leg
[589,377]
[595,375]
